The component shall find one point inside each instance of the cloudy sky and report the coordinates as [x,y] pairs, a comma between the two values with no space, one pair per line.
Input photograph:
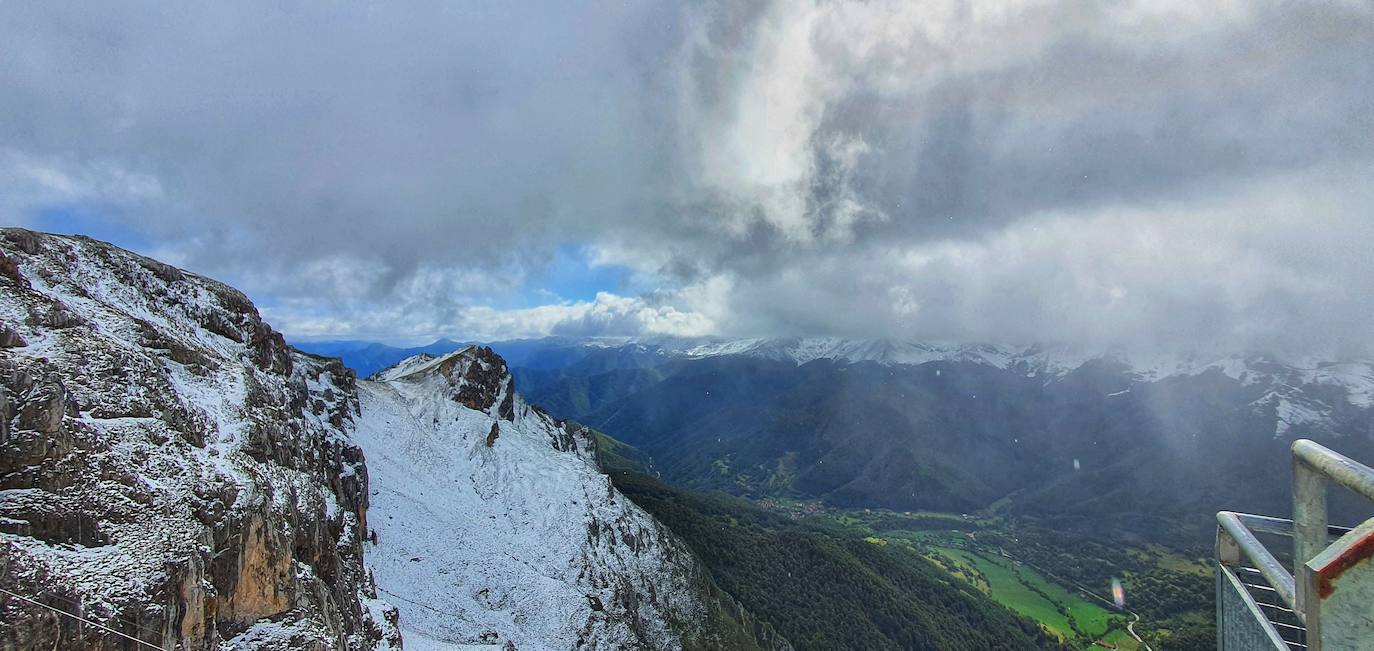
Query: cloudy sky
[1163,174]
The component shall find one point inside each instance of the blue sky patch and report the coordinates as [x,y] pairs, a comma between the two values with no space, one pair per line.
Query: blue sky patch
[91,221]
[572,276]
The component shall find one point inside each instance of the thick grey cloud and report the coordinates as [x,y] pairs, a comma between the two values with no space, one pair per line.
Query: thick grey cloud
[1153,173]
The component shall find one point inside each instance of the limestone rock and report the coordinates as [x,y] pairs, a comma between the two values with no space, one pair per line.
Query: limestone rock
[164,468]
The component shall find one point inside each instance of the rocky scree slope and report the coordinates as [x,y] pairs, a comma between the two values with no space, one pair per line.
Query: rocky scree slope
[168,466]
[494,527]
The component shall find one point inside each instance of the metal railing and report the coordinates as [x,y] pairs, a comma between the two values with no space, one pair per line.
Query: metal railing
[1327,602]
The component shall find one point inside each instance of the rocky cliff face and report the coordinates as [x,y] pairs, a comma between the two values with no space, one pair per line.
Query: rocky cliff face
[495,527]
[169,468]
[177,476]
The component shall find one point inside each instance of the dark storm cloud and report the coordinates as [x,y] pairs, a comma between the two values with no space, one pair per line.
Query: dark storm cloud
[437,131]
[1158,173]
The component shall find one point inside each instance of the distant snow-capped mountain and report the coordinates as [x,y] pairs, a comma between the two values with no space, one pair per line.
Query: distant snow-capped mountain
[1298,391]
[1033,359]
[912,425]
[801,350]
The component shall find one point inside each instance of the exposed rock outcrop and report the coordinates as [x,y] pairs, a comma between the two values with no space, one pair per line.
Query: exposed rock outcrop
[169,467]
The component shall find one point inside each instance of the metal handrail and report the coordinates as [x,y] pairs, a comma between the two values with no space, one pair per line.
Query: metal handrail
[1313,466]
[1252,629]
[1337,467]
[1333,618]
[1239,530]
[1259,557]
[1283,526]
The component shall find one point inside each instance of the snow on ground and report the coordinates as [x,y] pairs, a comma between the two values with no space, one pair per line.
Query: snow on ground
[406,366]
[517,542]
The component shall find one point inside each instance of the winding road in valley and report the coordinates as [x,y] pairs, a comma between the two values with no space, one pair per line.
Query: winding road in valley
[1130,628]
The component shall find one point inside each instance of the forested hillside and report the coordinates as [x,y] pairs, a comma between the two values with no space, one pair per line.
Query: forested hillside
[826,591]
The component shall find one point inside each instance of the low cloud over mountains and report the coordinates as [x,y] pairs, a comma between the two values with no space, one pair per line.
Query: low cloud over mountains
[1146,174]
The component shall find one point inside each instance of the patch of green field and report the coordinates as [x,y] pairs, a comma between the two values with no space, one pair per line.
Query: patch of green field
[929,537]
[967,547]
[1005,586]
[1178,563]
[999,505]
[941,538]
[1092,618]
[1025,591]
[956,518]
[1121,640]
[1166,559]
[960,567]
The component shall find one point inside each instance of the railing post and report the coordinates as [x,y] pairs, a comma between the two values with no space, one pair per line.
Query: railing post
[1228,553]
[1309,539]
[1332,584]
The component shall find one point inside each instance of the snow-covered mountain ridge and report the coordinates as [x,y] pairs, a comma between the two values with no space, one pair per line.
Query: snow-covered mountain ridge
[172,471]
[169,468]
[496,526]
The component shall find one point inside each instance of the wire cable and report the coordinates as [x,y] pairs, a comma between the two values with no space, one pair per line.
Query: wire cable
[83,620]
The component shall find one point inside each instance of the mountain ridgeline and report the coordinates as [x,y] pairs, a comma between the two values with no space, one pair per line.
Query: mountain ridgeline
[494,521]
[173,475]
[368,357]
[1150,447]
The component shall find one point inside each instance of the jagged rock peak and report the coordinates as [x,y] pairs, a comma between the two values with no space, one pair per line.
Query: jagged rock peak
[169,467]
[476,377]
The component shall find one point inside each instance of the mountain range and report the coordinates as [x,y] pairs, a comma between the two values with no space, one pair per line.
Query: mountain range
[174,475]
[1149,443]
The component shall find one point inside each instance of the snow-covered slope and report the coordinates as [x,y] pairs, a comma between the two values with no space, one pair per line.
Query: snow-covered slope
[169,468]
[495,528]
[1301,393]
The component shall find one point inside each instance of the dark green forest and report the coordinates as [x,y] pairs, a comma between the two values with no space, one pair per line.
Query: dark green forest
[827,591]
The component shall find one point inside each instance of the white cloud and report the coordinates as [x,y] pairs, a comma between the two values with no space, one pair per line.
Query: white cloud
[1042,169]
[606,314]
[42,180]
[1279,264]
